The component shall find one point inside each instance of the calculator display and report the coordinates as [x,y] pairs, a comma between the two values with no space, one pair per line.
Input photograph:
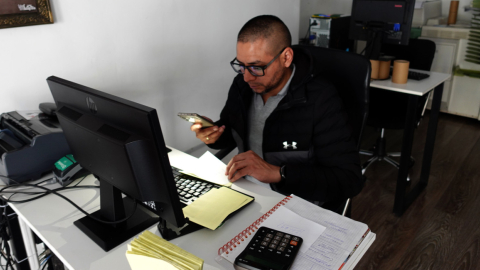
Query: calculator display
[270,250]
[263,262]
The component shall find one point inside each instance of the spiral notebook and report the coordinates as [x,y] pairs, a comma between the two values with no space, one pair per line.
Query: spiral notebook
[334,242]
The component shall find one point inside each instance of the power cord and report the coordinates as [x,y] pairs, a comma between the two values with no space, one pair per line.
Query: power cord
[54,191]
[5,237]
[307,35]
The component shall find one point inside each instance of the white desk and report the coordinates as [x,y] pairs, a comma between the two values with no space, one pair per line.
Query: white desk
[412,87]
[51,218]
[415,89]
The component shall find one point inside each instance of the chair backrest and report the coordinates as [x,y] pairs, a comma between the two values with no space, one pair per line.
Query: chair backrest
[419,52]
[350,73]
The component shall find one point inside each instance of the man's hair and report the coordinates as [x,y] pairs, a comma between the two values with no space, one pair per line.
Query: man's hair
[268,27]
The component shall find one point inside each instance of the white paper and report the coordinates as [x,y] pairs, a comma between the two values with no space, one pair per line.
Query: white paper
[338,240]
[367,242]
[254,180]
[327,248]
[208,168]
[285,220]
[211,168]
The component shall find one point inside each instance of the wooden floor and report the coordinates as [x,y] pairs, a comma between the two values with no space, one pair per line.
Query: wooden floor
[441,229]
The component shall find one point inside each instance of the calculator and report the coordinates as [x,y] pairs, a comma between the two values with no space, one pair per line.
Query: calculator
[269,249]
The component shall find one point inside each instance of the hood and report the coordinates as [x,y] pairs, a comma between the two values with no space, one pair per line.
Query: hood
[306,65]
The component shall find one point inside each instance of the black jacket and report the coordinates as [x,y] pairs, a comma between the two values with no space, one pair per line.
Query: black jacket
[325,166]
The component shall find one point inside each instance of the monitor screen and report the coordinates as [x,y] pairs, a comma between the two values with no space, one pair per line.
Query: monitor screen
[121,143]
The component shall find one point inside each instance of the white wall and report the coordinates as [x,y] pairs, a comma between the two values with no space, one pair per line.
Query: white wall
[310,7]
[171,55]
[461,15]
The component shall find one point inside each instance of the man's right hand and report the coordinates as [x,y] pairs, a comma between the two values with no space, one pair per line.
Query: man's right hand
[207,135]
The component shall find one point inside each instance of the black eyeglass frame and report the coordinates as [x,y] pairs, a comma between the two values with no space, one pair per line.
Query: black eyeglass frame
[248,67]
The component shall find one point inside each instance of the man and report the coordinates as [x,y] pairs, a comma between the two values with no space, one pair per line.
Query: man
[286,120]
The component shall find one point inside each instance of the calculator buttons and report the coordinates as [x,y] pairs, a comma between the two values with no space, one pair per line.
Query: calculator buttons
[272,245]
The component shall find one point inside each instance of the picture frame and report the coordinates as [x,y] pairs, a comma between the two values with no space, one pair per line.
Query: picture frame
[15,13]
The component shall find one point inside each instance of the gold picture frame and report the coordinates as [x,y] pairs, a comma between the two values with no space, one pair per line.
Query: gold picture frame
[39,12]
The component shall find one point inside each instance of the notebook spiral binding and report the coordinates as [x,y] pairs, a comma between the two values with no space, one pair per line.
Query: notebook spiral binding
[250,229]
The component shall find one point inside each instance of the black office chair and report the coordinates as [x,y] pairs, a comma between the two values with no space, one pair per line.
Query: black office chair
[350,73]
[388,109]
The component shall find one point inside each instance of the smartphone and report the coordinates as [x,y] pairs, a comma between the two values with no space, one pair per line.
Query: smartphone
[195,118]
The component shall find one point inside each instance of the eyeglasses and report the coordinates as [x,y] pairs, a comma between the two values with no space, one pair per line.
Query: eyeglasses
[254,70]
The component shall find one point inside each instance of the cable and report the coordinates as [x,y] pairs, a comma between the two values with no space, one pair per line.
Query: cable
[80,181]
[369,43]
[28,186]
[39,192]
[20,184]
[48,191]
[5,249]
[307,35]
[45,262]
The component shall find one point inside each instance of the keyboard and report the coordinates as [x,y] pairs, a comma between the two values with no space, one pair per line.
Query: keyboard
[417,75]
[190,188]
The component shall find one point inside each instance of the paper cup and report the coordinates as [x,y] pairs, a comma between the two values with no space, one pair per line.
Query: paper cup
[400,71]
[384,70]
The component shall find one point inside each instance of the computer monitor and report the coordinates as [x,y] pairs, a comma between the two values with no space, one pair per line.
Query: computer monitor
[381,21]
[121,143]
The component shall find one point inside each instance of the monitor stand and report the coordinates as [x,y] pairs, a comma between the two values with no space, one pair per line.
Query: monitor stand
[170,232]
[374,46]
[376,34]
[112,208]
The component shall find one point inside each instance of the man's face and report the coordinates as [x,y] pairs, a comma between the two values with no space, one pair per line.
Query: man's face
[259,53]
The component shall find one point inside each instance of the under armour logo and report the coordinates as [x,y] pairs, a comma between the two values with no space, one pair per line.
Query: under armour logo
[286,145]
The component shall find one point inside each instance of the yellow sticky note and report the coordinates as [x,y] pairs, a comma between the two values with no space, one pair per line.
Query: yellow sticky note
[150,251]
[211,209]
[139,262]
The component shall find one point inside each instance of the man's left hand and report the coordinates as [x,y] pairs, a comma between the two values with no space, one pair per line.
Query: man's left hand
[249,163]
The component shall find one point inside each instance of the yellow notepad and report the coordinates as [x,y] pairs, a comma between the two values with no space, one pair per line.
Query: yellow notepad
[150,251]
[211,209]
